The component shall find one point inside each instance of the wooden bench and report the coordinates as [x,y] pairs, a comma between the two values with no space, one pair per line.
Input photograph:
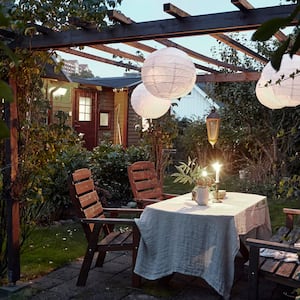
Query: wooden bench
[276,270]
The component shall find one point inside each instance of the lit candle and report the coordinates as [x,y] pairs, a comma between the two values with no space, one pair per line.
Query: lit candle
[217,168]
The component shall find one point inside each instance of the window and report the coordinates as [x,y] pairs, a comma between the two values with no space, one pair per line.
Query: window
[85,109]
[105,119]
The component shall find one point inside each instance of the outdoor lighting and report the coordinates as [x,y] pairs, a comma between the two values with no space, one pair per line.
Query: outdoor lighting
[217,167]
[169,73]
[213,125]
[146,105]
[279,89]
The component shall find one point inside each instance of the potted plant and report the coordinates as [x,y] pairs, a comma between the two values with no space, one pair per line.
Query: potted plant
[192,173]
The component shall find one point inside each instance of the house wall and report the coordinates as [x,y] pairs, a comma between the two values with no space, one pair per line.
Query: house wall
[120,116]
[195,105]
[59,94]
[121,123]
[133,120]
[106,105]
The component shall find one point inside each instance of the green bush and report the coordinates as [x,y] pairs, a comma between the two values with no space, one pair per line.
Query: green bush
[109,163]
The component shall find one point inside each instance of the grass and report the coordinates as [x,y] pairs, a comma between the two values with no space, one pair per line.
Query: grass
[48,248]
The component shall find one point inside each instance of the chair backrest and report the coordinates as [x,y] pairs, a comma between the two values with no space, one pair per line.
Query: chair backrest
[84,196]
[143,181]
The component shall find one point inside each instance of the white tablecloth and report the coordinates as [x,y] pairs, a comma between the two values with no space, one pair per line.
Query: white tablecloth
[178,235]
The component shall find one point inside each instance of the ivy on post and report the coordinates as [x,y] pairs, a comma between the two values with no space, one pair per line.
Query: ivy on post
[12,205]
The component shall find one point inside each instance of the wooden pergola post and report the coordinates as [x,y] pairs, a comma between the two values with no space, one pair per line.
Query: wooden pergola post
[12,204]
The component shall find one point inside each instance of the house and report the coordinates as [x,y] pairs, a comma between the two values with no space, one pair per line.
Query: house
[99,108]
[195,105]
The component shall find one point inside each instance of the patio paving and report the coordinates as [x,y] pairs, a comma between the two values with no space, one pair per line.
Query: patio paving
[113,282]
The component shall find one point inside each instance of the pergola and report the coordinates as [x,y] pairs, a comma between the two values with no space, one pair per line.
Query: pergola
[130,33]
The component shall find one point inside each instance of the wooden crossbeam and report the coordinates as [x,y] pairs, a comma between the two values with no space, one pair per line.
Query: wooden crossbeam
[245,6]
[194,54]
[174,11]
[242,5]
[229,77]
[118,52]
[100,59]
[189,26]
[124,20]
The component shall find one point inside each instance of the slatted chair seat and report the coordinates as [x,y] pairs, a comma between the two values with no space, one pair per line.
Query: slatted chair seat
[276,270]
[145,185]
[99,225]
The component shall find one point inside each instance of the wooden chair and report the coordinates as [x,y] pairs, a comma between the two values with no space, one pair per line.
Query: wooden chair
[279,271]
[99,229]
[144,184]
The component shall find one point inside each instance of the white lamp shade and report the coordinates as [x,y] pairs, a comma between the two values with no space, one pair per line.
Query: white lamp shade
[169,73]
[288,90]
[277,89]
[146,105]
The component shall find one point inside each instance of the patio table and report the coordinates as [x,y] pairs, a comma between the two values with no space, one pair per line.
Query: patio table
[178,235]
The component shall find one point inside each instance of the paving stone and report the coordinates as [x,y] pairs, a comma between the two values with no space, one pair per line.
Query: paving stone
[113,282]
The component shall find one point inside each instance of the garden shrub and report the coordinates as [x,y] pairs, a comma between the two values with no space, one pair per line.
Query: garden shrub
[109,163]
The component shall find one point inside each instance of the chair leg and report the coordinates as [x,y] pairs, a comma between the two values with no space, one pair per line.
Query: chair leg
[89,255]
[100,258]
[253,273]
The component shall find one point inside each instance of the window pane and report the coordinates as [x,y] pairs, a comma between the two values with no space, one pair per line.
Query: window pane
[85,109]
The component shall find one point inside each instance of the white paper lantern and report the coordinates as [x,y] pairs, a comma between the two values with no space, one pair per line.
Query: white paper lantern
[146,105]
[169,73]
[288,90]
[277,89]
[265,95]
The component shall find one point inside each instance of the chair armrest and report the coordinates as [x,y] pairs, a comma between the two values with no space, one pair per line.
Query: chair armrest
[290,213]
[108,221]
[271,245]
[169,196]
[147,201]
[123,210]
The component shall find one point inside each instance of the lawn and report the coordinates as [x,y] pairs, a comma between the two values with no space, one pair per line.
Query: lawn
[48,248]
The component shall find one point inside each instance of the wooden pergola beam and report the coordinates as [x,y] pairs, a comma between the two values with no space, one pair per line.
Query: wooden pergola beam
[229,77]
[125,20]
[100,59]
[174,11]
[189,26]
[245,6]
[118,52]
[242,5]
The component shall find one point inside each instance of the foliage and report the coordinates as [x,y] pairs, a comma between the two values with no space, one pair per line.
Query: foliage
[261,141]
[268,29]
[192,141]
[43,151]
[59,15]
[192,173]
[109,162]
[160,137]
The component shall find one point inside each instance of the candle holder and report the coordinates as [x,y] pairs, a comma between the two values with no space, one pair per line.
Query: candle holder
[217,199]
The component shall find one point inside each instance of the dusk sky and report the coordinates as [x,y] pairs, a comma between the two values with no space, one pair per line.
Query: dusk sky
[140,11]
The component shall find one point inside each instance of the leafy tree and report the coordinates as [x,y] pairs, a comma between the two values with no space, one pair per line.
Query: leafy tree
[263,141]
[39,146]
